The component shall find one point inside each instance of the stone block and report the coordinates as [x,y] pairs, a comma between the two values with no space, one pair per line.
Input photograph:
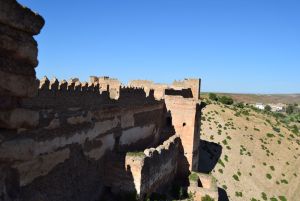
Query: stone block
[18,45]
[18,85]
[19,17]
[19,118]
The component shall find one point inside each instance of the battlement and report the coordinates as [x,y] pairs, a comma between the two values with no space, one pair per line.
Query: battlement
[187,88]
[73,85]
[166,146]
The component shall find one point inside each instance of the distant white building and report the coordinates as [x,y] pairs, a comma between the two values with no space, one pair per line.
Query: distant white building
[277,107]
[260,106]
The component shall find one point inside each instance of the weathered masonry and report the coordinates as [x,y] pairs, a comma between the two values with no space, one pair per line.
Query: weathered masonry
[72,140]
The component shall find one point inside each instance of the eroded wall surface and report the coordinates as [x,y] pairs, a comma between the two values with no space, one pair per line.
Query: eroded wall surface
[67,140]
[83,122]
[155,168]
[185,113]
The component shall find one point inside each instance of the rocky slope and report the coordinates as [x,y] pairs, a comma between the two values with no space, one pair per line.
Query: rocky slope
[258,157]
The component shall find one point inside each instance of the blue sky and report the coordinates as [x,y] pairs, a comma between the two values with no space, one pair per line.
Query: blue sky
[248,46]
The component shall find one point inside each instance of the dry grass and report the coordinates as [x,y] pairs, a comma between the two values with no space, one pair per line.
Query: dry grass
[261,163]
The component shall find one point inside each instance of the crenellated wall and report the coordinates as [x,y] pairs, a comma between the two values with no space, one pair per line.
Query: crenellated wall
[182,100]
[68,140]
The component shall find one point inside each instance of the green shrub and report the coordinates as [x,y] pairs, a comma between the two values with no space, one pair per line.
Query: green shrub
[276,129]
[226,158]
[282,198]
[295,129]
[238,194]
[264,196]
[289,109]
[268,108]
[269,176]
[226,100]
[239,105]
[270,135]
[236,177]
[221,162]
[213,96]
[207,198]
[193,176]
[239,173]
[136,153]
[224,142]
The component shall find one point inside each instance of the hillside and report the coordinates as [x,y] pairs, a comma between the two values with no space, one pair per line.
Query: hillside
[262,98]
[259,159]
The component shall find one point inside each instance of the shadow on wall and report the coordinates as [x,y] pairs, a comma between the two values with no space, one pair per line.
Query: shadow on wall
[185,93]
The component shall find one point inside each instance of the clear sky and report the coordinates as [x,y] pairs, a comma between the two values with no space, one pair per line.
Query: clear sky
[249,46]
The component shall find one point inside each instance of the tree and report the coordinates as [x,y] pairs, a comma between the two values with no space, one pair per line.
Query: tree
[289,109]
[213,96]
[268,108]
[240,105]
[226,100]
[295,129]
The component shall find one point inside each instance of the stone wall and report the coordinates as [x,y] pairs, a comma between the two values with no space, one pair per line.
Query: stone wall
[193,84]
[67,140]
[18,52]
[155,167]
[188,88]
[88,129]
[185,113]
[203,185]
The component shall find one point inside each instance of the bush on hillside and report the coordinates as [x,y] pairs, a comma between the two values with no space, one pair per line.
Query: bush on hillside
[213,96]
[226,100]
[207,198]
[268,108]
[240,105]
[289,109]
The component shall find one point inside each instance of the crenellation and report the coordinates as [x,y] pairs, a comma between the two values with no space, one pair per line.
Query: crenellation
[63,85]
[54,83]
[77,86]
[44,83]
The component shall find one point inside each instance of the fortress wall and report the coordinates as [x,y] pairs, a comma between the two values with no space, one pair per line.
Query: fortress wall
[95,131]
[109,84]
[185,114]
[75,125]
[188,88]
[73,93]
[60,139]
[182,101]
[193,84]
[155,168]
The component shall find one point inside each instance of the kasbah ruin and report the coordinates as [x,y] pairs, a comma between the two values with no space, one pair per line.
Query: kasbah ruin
[72,140]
